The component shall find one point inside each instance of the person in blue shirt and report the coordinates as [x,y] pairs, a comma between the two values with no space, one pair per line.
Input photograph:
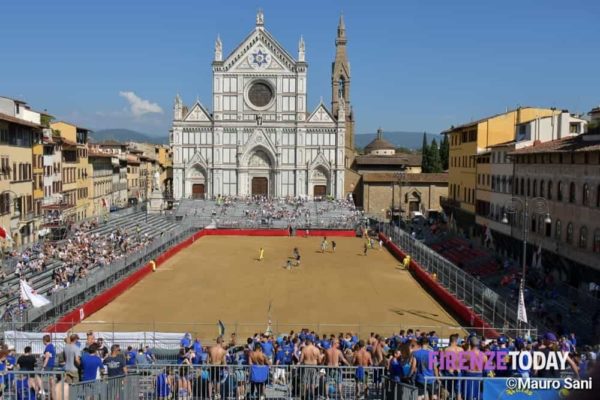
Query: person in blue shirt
[164,385]
[186,341]
[49,354]
[91,364]
[198,351]
[423,372]
[24,391]
[267,348]
[130,356]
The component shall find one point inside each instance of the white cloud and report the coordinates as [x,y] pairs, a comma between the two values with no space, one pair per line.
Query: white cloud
[139,106]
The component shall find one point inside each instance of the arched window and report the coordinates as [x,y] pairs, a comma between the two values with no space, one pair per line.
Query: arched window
[528,187]
[596,247]
[583,233]
[534,188]
[504,188]
[550,188]
[586,195]
[570,233]
[557,230]
[522,192]
[542,188]
[572,192]
[559,191]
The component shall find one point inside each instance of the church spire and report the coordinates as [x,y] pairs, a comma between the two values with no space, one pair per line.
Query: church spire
[218,49]
[301,50]
[341,30]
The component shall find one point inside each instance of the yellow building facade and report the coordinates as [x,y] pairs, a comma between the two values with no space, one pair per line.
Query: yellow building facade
[76,169]
[466,142]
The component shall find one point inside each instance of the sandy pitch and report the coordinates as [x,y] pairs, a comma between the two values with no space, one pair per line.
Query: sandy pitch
[219,278]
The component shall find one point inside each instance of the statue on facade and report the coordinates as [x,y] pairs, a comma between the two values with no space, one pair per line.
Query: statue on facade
[156,183]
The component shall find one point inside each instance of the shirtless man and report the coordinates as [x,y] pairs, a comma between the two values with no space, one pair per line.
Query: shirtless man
[362,359]
[452,352]
[257,357]
[311,357]
[216,358]
[333,358]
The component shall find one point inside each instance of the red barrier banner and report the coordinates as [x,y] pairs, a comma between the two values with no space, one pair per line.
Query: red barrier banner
[101,300]
[445,298]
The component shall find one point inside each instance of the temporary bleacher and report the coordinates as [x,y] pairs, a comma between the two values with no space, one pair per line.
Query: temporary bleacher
[151,225]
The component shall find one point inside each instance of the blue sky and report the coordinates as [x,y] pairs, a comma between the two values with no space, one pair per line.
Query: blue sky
[416,65]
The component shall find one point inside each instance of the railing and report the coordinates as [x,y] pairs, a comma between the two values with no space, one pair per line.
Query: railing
[484,301]
[114,388]
[477,387]
[101,279]
[26,385]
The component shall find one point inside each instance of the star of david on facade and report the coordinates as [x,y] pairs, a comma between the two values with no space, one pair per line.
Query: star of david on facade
[259,58]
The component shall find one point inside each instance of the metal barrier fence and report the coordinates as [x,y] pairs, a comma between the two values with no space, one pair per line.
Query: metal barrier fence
[101,279]
[483,300]
[115,388]
[254,382]
[29,385]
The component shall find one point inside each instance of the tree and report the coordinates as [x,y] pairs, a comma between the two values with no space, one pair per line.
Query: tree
[435,162]
[425,160]
[445,153]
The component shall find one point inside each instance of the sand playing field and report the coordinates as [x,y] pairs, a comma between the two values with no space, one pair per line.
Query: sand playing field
[220,278]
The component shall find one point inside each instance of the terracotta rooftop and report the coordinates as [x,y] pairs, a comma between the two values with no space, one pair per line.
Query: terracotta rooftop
[383,177]
[580,143]
[396,159]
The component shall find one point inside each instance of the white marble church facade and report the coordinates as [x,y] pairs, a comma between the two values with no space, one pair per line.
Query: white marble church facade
[259,139]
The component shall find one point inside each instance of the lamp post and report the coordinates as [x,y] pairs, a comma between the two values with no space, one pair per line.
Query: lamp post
[538,206]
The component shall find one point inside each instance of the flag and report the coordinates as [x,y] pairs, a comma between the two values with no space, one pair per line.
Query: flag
[221,328]
[521,311]
[2,233]
[37,300]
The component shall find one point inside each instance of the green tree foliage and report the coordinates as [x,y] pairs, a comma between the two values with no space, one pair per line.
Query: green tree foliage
[435,162]
[445,153]
[425,160]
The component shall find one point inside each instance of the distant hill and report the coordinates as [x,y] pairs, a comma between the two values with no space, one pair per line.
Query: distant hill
[127,135]
[410,140]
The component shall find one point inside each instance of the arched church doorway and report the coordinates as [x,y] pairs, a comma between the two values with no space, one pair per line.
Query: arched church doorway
[198,191]
[260,186]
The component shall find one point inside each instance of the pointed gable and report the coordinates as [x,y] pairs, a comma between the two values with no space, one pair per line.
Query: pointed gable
[259,51]
[197,113]
[321,115]
[197,159]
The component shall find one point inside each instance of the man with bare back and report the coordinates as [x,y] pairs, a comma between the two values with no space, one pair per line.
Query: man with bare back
[333,359]
[216,360]
[311,358]
[362,359]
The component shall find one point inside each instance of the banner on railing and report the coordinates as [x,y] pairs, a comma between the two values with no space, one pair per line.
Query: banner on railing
[27,292]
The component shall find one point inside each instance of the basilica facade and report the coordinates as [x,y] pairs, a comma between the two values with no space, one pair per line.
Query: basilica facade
[260,138]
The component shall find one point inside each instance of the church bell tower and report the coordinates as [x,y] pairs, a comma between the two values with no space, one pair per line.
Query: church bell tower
[340,89]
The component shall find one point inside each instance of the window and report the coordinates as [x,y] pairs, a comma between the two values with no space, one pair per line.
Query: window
[598,196]
[549,190]
[586,194]
[522,192]
[542,188]
[572,192]
[570,233]
[528,187]
[557,230]
[596,248]
[534,188]
[583,233]
[559,191]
